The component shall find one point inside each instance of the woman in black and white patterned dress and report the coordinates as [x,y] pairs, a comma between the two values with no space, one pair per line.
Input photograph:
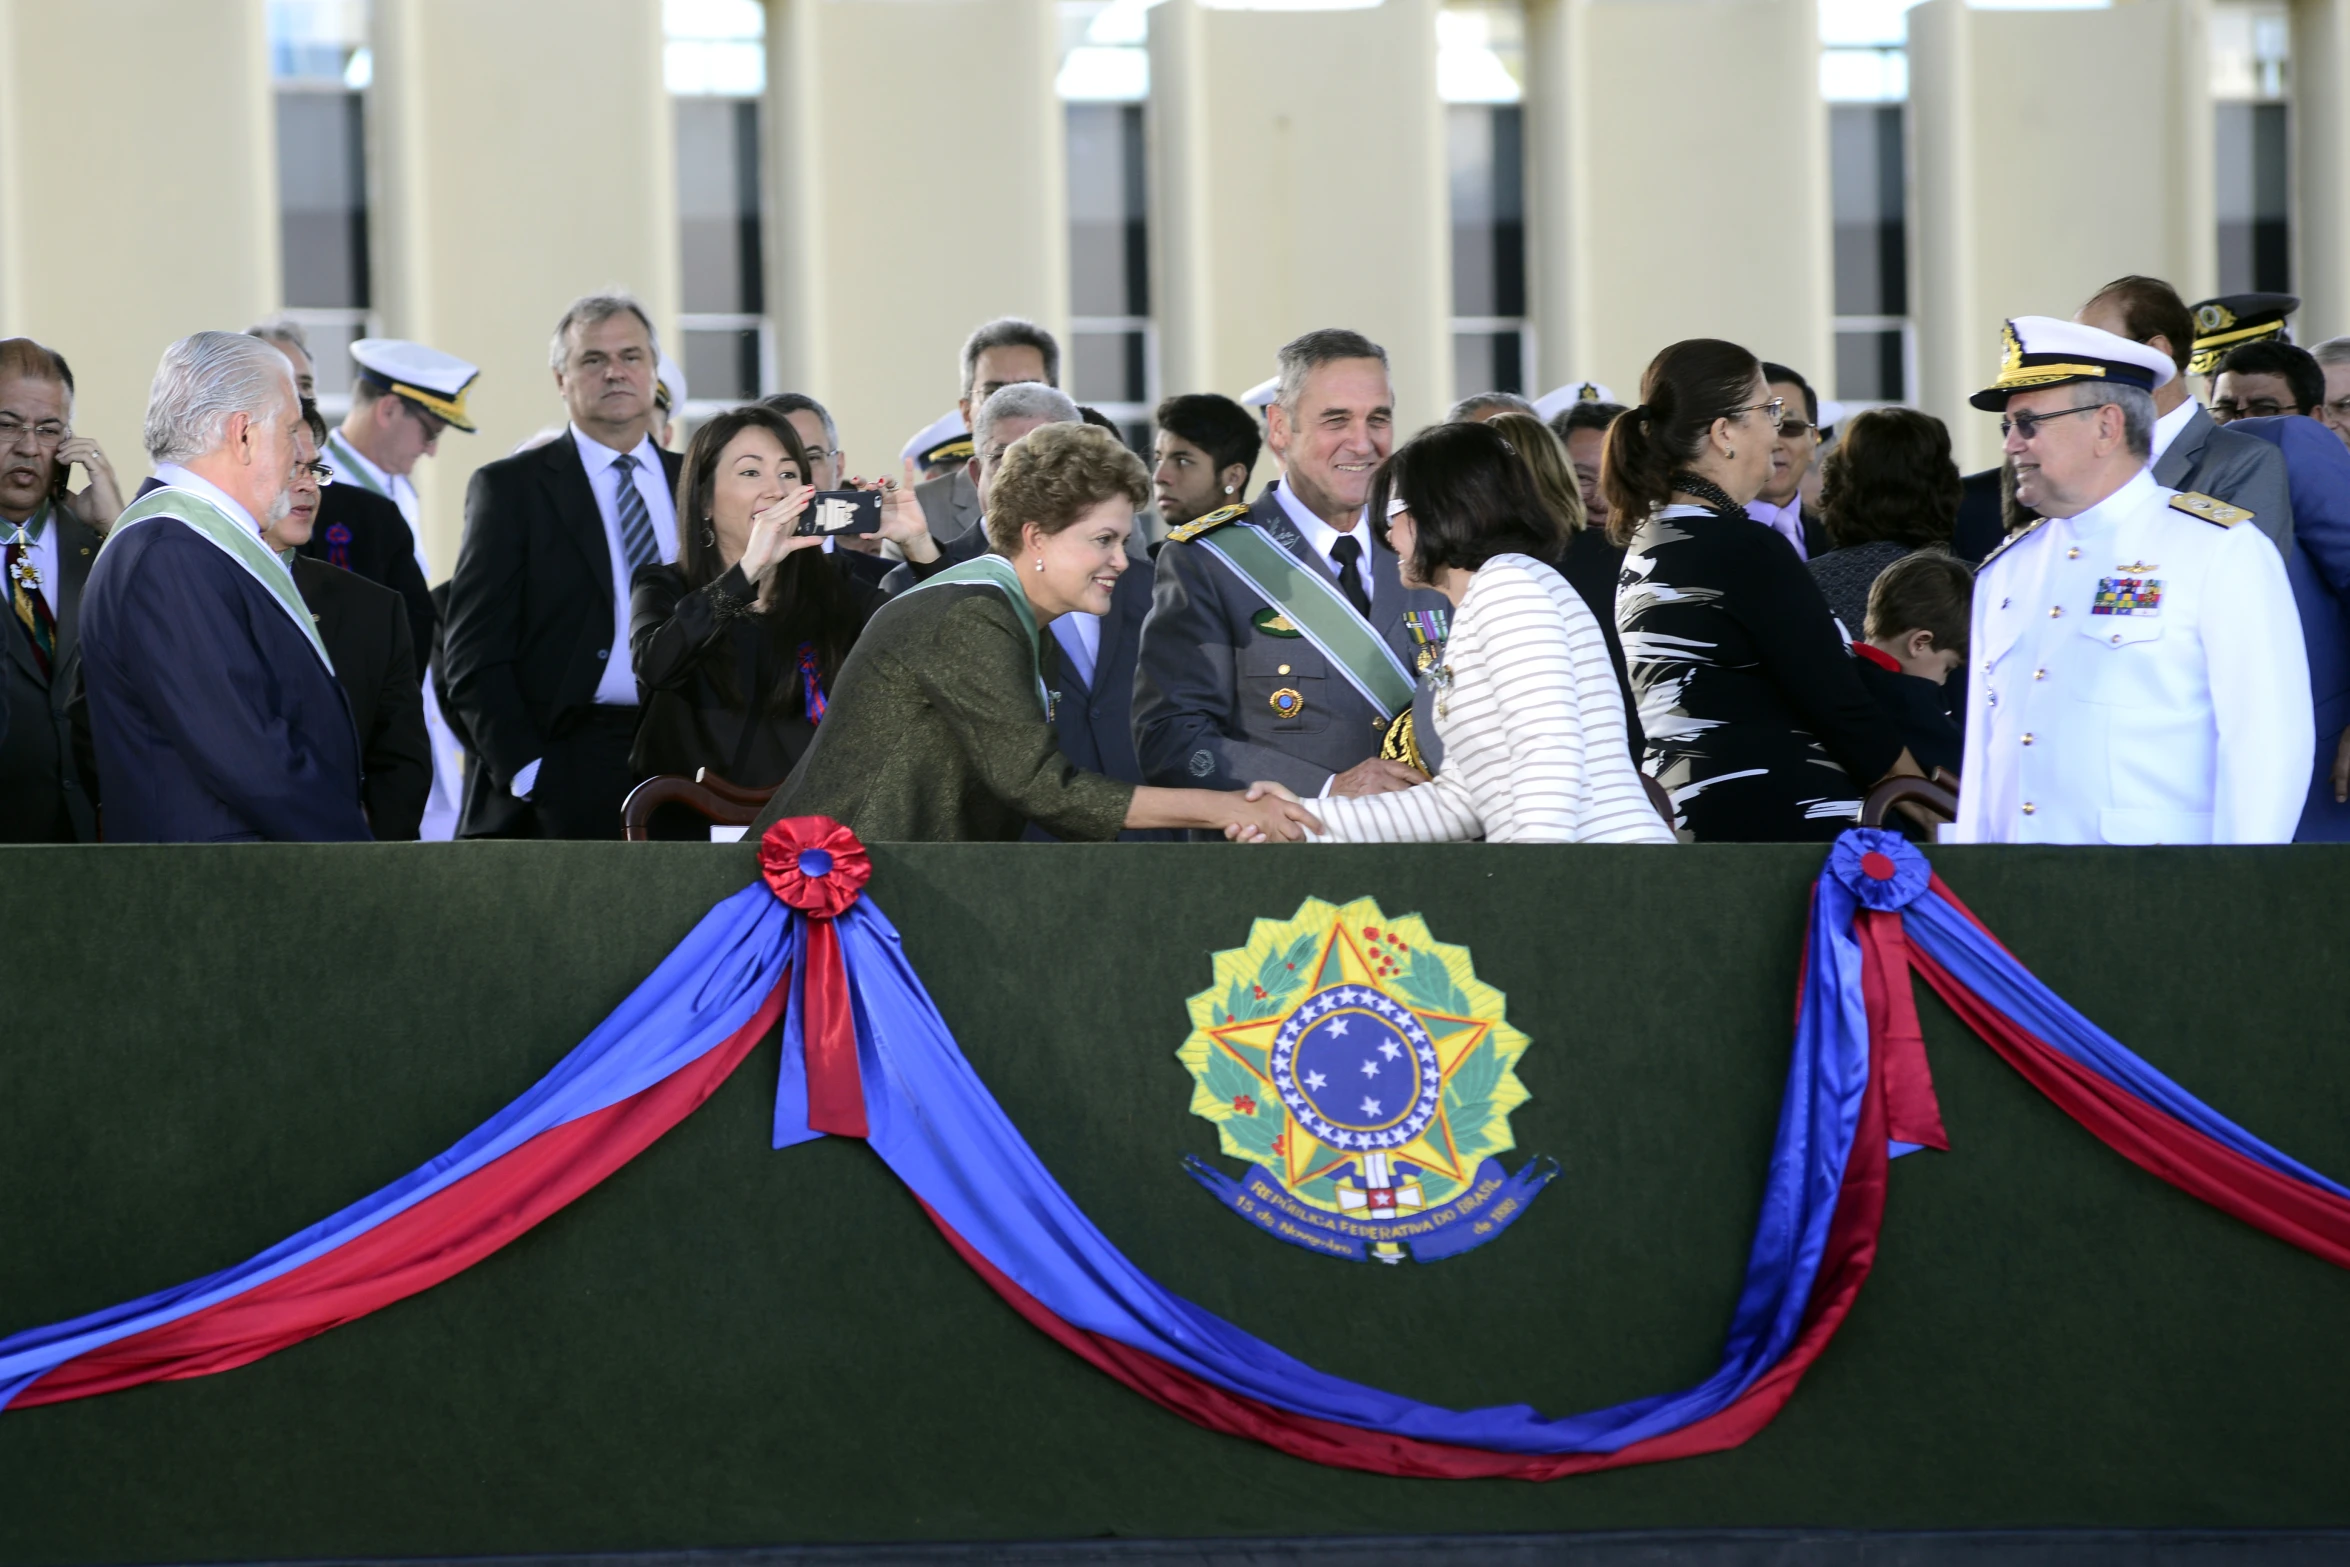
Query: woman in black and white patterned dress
[1757,724]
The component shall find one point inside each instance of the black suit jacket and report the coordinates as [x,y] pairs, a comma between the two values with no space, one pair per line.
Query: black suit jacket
[365,629]
[44,796]
[364,532]
[1982,523]
[1815,535]
[530,619]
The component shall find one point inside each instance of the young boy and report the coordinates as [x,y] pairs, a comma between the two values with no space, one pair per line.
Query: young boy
[1915,635]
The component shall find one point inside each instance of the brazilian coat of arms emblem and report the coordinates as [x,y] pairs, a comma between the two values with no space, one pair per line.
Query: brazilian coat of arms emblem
[1367,1075]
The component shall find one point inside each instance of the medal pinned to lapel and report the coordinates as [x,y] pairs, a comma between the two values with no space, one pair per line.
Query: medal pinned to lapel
[1274,624]
[1286,703]
[1429,630]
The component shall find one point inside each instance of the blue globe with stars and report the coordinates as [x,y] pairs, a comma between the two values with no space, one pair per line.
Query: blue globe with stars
[1357,1069]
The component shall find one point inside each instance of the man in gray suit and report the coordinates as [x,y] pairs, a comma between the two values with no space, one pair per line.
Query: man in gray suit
[1278,645]
[1004,352]
[2191,451]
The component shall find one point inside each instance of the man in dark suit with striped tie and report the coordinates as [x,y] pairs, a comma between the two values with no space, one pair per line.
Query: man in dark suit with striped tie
[536,648]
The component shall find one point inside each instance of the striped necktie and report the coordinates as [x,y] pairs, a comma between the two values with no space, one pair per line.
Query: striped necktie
[636,523]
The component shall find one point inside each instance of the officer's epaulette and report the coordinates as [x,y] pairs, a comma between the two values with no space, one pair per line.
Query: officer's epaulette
[1199,525]
[2012,541]
[2210,508]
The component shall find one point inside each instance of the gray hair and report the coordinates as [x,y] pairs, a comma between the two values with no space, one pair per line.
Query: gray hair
[1010,332]
[587,310]
[1302,355]
[1499,402]
[2137,406]
[1021,400]
[789,403]
[2333,351]
[283,330]
[206,378]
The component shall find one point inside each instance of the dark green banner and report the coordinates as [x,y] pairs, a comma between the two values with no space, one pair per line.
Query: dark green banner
[205,1049]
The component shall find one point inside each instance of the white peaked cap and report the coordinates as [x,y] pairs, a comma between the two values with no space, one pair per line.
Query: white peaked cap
[1559,399]
[937,432]
[1262,394]
[432,380]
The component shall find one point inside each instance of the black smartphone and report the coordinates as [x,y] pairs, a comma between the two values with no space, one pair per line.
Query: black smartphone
[842,511]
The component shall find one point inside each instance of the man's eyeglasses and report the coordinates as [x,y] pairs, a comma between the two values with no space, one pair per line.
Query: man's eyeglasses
[1789,429]
[433,425]
[2227,410]
[2028,425]
[317,470]
[47,433]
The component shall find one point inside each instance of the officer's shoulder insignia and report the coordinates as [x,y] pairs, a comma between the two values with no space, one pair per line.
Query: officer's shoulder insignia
[1365,1075]
[1199,525]
[2210,508]
[2013,540]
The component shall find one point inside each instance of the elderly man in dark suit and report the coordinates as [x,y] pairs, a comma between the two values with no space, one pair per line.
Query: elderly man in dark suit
[2191,451]
[49,542]
[537,640]
[213,704]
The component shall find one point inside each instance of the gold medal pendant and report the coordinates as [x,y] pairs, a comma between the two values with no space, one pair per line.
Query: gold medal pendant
[1286,703]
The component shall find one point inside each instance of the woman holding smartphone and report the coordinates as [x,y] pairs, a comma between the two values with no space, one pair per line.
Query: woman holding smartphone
[737,645]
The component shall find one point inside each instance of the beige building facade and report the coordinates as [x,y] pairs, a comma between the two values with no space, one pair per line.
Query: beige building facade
[1303,167]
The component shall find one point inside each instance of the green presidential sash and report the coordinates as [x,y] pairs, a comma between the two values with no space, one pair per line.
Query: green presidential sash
[232,538]
[1318,610]
[1002,575]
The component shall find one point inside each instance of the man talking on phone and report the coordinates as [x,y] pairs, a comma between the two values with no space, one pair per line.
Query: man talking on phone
[50,536]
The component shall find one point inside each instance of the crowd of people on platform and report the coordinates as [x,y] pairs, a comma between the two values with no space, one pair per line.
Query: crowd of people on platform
[1725,611]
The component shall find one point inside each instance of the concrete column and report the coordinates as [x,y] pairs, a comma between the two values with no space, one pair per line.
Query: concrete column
[517,165]
[1298,181]
[1678,166]
[2321,166]
[139,189]
[918,189]
[2028,198]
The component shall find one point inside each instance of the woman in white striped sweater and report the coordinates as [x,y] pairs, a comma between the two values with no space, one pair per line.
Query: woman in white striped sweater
[1525,701]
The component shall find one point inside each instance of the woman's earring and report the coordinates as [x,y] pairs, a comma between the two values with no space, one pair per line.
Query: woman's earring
[1228,489]
[1729,452]
[1040,563]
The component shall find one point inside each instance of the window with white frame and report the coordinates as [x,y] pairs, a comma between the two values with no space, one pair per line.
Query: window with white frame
[1864,76]
[1480,75]
[716,68]
[2251,80]
[1111,358]
[320,67]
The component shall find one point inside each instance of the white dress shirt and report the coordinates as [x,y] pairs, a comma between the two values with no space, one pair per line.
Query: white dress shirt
[2167,428]
[618,687]
[2139,677]
[1080,634]
[1322,536]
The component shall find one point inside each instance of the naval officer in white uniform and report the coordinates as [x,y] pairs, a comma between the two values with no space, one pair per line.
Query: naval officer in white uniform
[2138,669]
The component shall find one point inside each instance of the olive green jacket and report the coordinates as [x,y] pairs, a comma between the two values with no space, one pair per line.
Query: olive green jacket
[934,733]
